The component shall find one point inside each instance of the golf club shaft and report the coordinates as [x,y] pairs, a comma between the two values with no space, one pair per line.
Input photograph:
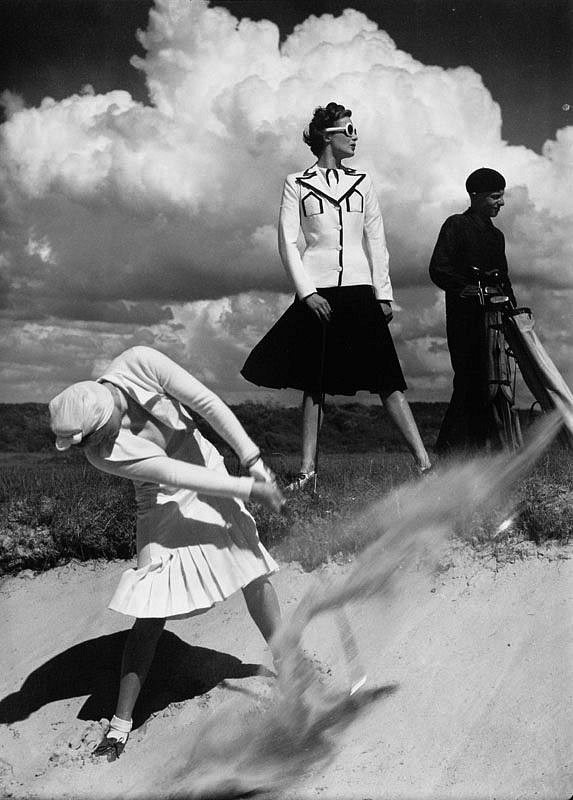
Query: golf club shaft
[350,650]
[320,404]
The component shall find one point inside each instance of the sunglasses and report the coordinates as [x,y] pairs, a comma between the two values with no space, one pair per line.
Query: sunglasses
[348,130]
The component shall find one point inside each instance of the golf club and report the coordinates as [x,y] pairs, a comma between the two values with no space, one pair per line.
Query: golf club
[320,408]
[350,649]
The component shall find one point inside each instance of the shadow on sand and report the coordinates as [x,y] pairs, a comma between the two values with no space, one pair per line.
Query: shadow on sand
[179,672]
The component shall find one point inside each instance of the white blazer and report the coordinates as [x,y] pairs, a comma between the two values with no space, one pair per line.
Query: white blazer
[343,231]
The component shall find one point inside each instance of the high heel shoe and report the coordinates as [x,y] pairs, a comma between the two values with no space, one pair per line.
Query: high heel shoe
[302,479]
[425,472]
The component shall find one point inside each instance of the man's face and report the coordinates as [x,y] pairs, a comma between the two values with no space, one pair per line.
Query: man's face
[489,203]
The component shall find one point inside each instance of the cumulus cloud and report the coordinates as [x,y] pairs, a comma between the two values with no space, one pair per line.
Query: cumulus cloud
[162,218]
[212,338]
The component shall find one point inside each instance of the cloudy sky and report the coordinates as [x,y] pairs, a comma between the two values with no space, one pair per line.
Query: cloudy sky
[144,145]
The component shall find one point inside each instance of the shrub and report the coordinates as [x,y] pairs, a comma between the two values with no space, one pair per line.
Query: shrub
[54,509]
[58,510]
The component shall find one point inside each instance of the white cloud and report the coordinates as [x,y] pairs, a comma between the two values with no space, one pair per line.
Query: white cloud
[163,217]
[40,248]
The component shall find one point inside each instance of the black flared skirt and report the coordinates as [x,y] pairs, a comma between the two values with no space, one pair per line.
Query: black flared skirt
[352,352]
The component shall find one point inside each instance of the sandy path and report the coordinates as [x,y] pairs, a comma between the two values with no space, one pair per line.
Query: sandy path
[483,659]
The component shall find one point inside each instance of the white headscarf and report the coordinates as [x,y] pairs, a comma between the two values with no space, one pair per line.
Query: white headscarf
[79,410]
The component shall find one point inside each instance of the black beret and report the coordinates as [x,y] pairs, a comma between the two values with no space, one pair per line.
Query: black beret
[485,180]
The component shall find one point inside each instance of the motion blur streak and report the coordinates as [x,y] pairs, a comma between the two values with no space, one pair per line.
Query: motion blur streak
[254,745]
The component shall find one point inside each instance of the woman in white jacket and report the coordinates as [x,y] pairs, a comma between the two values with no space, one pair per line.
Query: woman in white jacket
[334,338]
[196,542]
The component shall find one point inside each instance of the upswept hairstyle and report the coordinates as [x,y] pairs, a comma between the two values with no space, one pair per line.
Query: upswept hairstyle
[323,117]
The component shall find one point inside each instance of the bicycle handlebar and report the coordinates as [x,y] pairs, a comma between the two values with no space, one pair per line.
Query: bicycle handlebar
[485,273]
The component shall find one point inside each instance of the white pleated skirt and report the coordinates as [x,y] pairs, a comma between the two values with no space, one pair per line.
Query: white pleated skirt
[192,550]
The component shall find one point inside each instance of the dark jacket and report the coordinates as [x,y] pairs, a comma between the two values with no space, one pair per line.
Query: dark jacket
[467,240]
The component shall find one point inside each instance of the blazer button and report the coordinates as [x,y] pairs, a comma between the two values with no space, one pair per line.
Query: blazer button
[338,247]
[339,269]
[338,227]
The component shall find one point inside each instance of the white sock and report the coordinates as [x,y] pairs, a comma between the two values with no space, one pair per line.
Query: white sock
[119,729]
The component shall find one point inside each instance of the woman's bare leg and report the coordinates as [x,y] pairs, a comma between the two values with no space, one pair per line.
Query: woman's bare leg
[138,654]
[263,605]
[310,409]
[401,415]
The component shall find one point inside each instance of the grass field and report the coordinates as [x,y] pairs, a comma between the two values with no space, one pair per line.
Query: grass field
[57,508]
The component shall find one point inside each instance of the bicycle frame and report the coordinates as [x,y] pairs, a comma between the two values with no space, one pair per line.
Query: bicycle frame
[501,365]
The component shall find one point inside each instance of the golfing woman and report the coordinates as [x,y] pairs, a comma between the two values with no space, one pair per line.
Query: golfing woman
[196,542]
[334,338]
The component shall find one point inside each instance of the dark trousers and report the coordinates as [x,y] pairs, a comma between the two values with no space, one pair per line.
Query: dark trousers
[467,424]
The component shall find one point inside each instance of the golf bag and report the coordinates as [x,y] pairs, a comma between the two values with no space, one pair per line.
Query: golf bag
[540,374]
[501,375]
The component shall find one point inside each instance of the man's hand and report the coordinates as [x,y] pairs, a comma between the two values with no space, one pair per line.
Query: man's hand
[319,306]
[386,307]
[268,494]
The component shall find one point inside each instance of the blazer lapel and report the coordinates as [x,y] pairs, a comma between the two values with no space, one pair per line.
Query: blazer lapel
[349,180]
[313,179]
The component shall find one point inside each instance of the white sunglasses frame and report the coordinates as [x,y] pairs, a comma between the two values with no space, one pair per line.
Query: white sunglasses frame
[345,129]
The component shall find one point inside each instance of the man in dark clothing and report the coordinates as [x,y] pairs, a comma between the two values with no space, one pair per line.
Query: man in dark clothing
[467,241]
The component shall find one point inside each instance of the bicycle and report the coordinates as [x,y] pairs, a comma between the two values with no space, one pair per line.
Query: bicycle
[499,362]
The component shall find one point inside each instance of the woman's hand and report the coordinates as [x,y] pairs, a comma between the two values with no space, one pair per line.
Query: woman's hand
[268,494]
[260,472]
[319,306]
[386,307]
